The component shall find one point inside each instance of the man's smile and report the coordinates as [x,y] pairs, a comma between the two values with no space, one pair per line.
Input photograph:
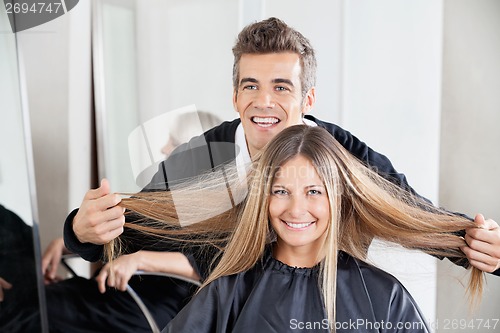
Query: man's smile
[265,121]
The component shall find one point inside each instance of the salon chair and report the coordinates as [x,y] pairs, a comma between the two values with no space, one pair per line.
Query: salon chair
[145,311]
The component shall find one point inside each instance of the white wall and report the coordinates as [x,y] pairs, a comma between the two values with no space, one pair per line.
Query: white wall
[322,23]
[392,77]
[470,141]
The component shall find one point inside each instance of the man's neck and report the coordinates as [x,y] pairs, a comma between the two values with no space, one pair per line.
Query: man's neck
[252,151]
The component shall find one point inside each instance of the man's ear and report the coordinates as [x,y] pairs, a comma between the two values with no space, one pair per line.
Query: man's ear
[235,99]
[309,100]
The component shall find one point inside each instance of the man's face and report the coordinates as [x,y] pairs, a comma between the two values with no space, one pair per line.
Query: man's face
[268,97]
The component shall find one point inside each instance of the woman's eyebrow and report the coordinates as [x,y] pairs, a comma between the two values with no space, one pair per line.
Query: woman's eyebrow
[309,186]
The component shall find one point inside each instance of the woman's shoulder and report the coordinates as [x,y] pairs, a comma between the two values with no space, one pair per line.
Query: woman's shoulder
[385,295]
[373,276]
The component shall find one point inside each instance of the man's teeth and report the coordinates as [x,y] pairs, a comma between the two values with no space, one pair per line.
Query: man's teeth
[265,122]
[298,225]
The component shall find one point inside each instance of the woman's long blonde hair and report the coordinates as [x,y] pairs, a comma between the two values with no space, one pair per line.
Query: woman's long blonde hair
[363,205]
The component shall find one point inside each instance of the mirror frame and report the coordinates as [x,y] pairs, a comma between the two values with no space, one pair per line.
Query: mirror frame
[30,166]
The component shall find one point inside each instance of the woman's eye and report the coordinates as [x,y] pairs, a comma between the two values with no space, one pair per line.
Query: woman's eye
[314,192]
[279,192]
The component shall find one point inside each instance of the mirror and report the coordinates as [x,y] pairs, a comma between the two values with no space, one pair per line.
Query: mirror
[23,306]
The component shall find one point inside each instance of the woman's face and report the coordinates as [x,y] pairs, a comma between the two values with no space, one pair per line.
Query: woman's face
[299,211]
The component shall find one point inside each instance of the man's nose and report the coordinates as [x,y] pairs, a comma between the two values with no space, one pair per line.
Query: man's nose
[264,100]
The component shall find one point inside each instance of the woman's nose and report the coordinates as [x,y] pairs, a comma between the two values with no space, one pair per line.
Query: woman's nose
[298,206]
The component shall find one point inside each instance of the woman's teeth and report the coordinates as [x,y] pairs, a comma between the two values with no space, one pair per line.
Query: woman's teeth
[298,225]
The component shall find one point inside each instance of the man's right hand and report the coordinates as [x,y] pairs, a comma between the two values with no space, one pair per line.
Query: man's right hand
[99,219]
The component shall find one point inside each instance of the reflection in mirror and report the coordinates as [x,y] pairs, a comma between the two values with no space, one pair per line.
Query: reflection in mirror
[150,60]
[154,140]
[116,94]
[21,291]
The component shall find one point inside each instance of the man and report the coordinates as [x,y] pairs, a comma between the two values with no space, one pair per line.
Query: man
[273,79]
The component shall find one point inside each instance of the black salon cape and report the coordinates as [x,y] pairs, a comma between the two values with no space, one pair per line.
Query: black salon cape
[273,297]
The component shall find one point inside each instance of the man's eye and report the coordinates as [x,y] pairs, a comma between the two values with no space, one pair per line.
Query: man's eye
[281,88]
[251,87]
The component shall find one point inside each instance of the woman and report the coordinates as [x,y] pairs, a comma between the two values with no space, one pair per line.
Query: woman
[295,257]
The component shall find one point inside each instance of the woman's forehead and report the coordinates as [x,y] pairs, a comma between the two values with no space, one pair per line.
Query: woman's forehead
[297,169]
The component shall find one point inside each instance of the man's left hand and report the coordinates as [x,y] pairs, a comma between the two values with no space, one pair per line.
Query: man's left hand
[483,250]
